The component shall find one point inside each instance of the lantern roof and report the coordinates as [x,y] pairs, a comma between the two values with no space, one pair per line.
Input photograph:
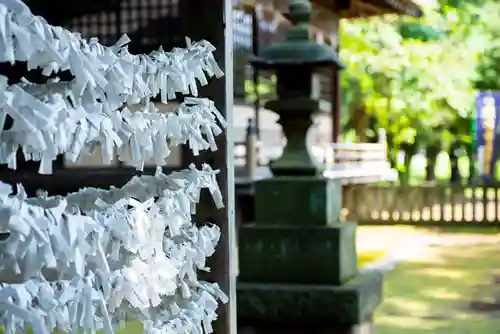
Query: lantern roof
[297,49]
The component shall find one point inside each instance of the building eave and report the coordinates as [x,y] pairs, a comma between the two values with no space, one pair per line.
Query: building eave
[348,8]
[367,8]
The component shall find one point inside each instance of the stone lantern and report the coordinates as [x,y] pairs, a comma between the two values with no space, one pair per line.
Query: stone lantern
[295,60]
[298,268]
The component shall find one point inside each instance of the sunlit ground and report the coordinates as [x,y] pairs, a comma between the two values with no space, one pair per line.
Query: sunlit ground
[450,288]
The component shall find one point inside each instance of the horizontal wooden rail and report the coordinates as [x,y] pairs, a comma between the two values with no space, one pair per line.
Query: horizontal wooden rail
[240,149]
[357,146]
[423,205]
[354,163]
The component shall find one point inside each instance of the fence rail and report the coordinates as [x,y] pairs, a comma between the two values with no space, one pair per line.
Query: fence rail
[422,205]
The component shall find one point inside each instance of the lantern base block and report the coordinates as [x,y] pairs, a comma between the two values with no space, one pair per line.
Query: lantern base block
[310,309]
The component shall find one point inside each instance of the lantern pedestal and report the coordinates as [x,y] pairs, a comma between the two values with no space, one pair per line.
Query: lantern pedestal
[316,309]
[298,262]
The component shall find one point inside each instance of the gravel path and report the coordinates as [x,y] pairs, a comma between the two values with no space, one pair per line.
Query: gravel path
[409,244]
[450,284]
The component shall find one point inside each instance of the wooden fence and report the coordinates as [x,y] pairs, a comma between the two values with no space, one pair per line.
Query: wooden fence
[422,205]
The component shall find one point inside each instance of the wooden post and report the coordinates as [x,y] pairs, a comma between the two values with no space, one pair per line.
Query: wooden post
[336,107]
[212,20]
[251,153]
[336,91]
[255,71]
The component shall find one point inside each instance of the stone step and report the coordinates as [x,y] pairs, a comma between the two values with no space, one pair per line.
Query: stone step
[287,306]
[294,254]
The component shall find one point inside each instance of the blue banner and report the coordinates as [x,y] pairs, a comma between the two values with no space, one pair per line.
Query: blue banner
[487,120]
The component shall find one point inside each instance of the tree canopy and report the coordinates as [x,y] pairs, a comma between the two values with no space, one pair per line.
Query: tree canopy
[414,76]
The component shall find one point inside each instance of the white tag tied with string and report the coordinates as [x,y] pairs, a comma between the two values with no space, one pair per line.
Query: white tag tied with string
[97,70]
[95,258]
[82,243]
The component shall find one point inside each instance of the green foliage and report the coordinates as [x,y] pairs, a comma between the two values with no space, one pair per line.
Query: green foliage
[265,89]
[369,256]
[489,70]
[422,32]
[418,76]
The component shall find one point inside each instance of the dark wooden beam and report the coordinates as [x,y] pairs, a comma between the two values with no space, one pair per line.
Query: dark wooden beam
[69,180]
[336,91]
[255,71]
[212,20]
[66,10]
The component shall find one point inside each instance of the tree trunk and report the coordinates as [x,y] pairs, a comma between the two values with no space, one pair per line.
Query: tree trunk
[455,171]
[392,151]
[373,127]
[409,150]
[472,163]
[359,121]
[431,156]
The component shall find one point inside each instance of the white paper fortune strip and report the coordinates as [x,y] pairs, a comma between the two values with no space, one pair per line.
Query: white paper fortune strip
[136,136]
[64,117]
[96,258]
[112,230]
[147,289]
[126,218]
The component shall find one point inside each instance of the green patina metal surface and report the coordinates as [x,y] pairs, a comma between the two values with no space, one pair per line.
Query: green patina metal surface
[297,48]
[295,119]
[295,59]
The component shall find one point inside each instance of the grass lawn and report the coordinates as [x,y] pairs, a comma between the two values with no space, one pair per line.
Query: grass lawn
[434,295]
[433,292]
[367,257]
